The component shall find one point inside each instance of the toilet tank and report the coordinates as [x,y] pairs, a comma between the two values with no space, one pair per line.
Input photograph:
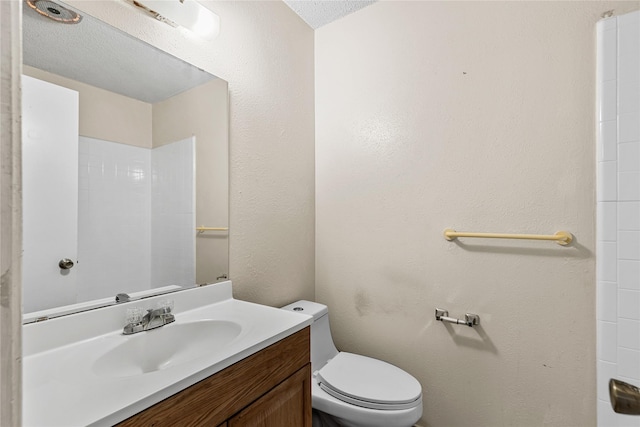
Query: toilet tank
[322,346]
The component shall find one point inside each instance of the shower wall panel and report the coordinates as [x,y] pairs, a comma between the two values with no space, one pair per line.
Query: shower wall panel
[618,210]
[114,222]
[136,222]
[173,243]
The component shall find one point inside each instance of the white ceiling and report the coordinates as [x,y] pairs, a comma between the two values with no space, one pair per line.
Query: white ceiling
[319,13]
[123,63]
[97,54]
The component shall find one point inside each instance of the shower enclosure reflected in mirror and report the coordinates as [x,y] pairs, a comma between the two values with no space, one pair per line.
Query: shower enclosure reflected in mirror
[125,156]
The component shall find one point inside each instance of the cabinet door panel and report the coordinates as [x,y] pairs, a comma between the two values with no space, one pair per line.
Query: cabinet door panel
[288,404]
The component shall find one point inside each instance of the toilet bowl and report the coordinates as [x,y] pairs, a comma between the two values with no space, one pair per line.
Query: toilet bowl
[355,390]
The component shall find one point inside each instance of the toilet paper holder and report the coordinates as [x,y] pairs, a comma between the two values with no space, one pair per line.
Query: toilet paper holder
[470,319]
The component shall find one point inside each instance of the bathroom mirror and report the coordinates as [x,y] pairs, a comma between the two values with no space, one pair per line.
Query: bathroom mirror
[125,167]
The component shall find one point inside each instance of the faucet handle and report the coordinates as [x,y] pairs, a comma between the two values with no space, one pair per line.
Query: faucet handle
[135,315]
[165,305]
[122,297]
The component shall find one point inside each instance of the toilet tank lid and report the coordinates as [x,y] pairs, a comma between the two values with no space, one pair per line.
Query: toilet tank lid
[310,308]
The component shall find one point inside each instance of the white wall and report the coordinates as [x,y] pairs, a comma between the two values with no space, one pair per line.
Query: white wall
[173,212]
[618,227]
[114,221]
[477,116]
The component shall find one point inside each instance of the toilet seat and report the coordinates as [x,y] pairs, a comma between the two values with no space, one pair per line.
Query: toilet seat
[369,383]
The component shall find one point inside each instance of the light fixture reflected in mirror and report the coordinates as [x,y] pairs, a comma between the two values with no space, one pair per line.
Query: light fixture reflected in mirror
[185,13]
[54,11]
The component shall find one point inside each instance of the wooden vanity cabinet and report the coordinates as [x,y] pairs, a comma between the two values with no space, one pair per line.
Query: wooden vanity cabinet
[271,388]
[282,406]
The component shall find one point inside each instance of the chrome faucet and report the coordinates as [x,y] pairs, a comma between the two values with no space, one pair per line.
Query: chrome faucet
[155,318]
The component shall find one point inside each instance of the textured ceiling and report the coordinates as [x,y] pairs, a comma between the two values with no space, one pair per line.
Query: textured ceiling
[123,64]
[319,13]
[97,54]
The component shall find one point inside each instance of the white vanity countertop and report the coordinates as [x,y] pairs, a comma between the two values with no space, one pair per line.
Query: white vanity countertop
[61,388]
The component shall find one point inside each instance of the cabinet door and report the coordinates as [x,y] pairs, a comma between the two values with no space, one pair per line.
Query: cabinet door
[288,404]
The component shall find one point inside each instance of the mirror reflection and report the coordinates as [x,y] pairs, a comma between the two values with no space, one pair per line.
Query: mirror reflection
[125,167]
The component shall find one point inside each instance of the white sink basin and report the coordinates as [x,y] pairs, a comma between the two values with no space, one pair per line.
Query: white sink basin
[80,370]
[165,347]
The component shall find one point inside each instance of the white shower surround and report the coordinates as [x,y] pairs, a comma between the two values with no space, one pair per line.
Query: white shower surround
[114,221]
[618,210]
[173,219]
[136,221]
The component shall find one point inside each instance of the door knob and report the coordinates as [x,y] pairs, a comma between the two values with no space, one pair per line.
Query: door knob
[65,264]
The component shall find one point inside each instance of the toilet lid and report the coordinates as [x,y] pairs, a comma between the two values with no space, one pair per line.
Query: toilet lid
[367,382]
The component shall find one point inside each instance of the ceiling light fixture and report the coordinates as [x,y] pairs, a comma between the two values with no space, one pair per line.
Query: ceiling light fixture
[184,13]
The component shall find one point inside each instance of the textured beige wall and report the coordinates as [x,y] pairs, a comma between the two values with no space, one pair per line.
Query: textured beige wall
[265,52]
[478,116]
[10,216]
[204,112]
[103,114]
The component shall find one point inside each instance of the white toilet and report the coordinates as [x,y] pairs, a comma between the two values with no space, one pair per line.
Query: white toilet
[355,390]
